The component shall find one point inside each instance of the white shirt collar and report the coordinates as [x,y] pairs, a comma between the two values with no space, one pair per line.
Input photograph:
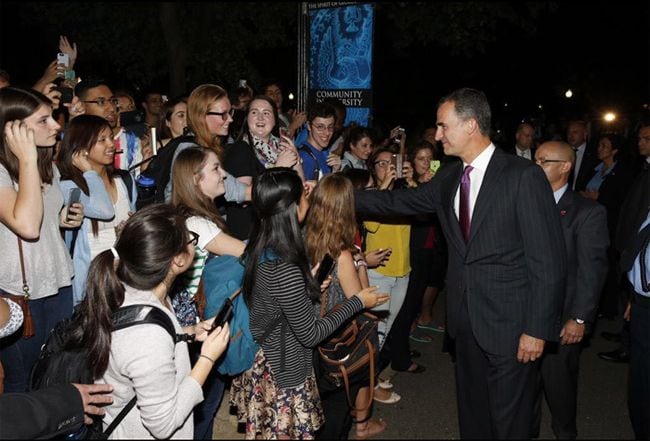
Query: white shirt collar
[483,159]
[560,192]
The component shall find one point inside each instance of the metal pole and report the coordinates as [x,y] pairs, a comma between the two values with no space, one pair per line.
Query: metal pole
[303,44]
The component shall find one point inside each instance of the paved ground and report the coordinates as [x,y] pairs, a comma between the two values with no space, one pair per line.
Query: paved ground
[427,409]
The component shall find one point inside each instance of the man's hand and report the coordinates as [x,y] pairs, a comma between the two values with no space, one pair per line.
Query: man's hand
[530,348]
[572,332]
[91,395]
[67,48]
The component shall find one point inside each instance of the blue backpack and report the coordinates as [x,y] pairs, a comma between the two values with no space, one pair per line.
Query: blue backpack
[222,279]
[222,276]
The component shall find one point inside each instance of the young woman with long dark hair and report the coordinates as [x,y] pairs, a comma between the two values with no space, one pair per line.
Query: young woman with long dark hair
[278,396]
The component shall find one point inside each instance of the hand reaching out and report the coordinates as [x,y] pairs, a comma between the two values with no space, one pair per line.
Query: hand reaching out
[66,48]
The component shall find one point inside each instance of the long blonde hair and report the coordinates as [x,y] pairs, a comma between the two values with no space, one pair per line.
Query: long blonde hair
[330,225]
[197,108]
[186,193]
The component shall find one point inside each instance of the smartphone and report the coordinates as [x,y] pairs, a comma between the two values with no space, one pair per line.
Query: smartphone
[223,316]
[434,165]
[75,195]
[66,94]
[62,58]
[325,268]
[397,162]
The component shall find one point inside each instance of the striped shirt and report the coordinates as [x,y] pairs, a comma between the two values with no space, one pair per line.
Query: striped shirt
[207,230]
[280,289]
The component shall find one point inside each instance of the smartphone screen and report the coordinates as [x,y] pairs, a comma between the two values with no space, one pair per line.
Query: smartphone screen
[75,195]
[62,58]
[325,268]
[224,315]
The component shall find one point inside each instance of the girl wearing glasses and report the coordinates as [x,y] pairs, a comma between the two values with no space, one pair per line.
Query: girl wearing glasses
[209,115]
[198,179]
[259,146]
[32,212]
[154,247]
[109,195]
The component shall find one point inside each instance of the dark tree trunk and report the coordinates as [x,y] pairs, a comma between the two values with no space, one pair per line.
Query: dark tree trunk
[176,54]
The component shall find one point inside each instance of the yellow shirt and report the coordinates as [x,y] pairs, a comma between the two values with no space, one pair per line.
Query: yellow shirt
[396,237]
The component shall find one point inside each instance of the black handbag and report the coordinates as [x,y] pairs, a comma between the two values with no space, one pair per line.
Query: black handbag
[349,355]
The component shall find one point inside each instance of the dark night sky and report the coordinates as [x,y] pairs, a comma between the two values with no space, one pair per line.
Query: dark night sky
[601,50]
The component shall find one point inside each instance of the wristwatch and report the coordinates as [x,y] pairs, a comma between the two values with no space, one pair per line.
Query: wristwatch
[579,321]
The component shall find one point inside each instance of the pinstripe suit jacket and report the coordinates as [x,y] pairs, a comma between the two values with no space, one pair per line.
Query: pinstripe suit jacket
[513,282]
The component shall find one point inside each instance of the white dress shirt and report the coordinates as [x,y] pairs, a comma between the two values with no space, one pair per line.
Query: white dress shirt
[580,152]
[522,153]
[476,176]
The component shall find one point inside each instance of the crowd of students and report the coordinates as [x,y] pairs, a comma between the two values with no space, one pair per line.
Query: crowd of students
[245,180]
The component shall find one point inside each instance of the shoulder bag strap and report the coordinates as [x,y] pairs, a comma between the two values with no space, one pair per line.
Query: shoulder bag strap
[28,323]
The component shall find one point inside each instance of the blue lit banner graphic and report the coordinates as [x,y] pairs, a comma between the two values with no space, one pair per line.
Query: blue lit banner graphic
[340,56]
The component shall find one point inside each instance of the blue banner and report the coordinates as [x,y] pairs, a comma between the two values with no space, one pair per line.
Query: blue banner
[340,56]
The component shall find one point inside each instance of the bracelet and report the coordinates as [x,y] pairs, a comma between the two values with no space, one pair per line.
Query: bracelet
[359,263]
[207,358]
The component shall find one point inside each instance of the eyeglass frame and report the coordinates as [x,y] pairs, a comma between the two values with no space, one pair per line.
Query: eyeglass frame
[379,161]
[195,238]
[223,116]
[544,161]
[101,102]
[322,128]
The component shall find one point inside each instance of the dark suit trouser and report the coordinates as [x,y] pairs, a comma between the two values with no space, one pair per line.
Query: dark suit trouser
[558,380]
[495,392]
[639,377]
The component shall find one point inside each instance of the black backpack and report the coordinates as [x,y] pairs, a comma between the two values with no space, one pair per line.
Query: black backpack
[160,168]
[60,362]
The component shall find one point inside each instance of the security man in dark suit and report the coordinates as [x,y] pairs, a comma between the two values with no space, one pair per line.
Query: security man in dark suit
[586,238]
[586,157]
[504,288]
[525,137]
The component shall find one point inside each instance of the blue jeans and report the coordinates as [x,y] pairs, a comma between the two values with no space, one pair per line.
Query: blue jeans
[205,411]
[18,355]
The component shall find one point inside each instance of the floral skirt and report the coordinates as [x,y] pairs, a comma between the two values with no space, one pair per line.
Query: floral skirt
[269,411]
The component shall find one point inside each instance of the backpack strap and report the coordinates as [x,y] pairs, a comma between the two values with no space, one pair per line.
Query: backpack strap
[133,315]
[316,170]
[128,181]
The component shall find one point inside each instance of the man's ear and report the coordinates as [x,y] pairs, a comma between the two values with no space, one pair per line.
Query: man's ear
[471,126]
[566,167]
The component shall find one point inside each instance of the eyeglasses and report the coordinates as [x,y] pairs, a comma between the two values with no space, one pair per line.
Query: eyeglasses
[195,238]
[223,115]
[381,163]
[544,161]
[101,102]
[322,128]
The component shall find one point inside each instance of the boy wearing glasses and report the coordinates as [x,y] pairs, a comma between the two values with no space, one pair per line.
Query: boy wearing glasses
[317,161]
[98,99]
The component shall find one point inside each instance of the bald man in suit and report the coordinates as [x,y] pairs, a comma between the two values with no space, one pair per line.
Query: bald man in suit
[584,223]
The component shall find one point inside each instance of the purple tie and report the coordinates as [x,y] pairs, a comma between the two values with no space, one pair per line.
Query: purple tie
[463,208]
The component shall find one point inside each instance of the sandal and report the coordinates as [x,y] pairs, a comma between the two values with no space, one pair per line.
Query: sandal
[392,399]
[431,326]
[372,427]
[420,336]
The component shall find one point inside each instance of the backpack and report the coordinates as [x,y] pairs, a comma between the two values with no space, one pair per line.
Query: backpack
[223,276]
[160,167]
[60,362]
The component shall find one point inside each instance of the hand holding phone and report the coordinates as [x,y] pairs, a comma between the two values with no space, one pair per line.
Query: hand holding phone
[75,195]
[223,316]
[325,268]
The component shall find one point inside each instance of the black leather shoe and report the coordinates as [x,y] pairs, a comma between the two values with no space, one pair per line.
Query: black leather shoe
[611,336]
[617,355]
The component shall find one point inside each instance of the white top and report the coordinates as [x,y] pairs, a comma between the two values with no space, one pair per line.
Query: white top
[48,265]
[523,153]
[106,236]
[207,230]
[476,176]
[145,361]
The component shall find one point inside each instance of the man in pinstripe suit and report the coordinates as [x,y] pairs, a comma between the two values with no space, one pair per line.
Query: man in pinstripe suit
[504,288]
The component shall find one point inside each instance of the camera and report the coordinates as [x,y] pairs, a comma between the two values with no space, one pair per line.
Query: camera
[400,133]
[66,93]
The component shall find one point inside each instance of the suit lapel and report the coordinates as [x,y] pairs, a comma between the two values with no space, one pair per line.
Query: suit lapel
[448,192]
[566,207]
[486,193]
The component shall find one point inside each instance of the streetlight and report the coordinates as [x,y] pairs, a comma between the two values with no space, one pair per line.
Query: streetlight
[609,117]
[290,96]
[568,93]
